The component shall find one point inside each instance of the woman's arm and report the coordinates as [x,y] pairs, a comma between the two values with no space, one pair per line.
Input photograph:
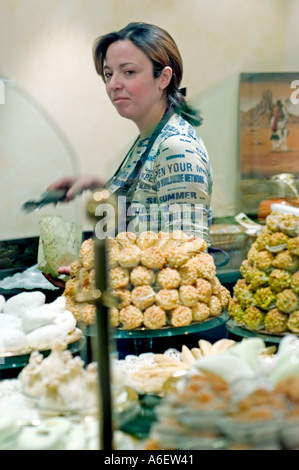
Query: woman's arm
[75,186]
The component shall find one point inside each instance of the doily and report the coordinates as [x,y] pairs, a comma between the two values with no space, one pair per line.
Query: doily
[126,367]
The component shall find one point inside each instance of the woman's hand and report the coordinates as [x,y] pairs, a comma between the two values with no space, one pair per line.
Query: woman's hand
[56,281]
[64,270]
[75,186]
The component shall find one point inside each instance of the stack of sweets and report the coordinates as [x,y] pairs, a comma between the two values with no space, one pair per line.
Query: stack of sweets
[267,296]
[159,279]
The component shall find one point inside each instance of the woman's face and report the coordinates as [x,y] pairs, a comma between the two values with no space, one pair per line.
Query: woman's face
[130,83]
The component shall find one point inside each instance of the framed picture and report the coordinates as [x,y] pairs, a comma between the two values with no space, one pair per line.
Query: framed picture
[268,133]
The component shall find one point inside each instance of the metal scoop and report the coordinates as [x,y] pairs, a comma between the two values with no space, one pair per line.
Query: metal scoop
[48,197]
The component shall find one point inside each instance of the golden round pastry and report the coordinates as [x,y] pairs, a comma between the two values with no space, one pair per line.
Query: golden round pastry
[130,317]
[254,318]
[188,274]
[167,298]
[200,312]
[89,314]
[165,243]
[124,296]
[146,240]
[180,316]
[195,245]
[153,258]
[141,275]
[126,238]
[293,322]
[287,301]
[286,260]
[113,251]
[235,310]
[277,238]
[224,296]
[119,277]
[216,285]
[265,298]
[72,287]
[176,257]
[204,289]
[215,306]
[168,278]
[263,260]
[293,245]
[276,321]
[75,268]
[86,254]
[205,265]
[143,296]
[74,307]
[178,235]
[253,251]
[263,239]
[154,317]
[188,295]
[86,278]
[295,282]
[279,279]
[130,256]
[114,317]
[273,221]
[246,269]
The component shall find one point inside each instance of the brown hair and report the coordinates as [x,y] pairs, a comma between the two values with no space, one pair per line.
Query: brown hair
[162,51]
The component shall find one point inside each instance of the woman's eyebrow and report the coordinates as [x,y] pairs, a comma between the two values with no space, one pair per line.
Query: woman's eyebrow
[125,64]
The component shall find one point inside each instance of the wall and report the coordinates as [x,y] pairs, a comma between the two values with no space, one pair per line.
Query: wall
[46,49]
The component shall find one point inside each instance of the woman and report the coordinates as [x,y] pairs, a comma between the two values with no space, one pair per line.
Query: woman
[166,177]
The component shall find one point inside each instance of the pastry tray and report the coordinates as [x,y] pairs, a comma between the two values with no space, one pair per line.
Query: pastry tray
[76,342]
[247,333]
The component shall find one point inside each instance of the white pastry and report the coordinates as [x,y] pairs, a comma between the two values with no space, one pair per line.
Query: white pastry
[32,381]
[39,438]
[73,390]
[76,439]
[43,337]
[9,431]
[225,365]
[61,426]
[2,303]
[10,321]
[36,318]
[12,340]
[58,305]
[55,361]
[20,302]
[66,321]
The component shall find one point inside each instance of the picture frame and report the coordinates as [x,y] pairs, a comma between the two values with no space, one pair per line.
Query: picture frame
[268,135]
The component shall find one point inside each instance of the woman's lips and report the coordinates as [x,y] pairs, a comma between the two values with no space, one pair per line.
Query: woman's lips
[119,99]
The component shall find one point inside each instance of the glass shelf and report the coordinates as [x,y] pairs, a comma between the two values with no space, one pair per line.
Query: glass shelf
[139,333]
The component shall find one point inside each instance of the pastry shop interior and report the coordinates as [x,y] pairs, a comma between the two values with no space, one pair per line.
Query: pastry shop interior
[152,341]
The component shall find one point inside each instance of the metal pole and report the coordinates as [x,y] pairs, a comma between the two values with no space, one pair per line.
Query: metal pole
[104,340]
[103,351]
